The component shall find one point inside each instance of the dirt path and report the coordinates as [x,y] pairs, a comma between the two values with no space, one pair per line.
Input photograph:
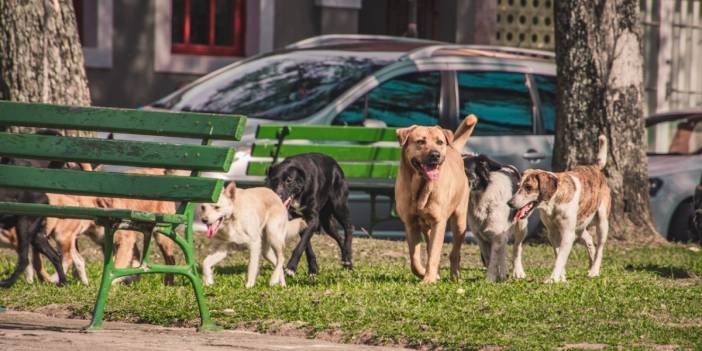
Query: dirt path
[33,331]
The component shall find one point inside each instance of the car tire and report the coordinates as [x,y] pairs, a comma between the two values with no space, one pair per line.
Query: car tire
[679,229]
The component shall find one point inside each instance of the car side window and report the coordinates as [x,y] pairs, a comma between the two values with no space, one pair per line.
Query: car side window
[399,102]
[546,86]
[501,100]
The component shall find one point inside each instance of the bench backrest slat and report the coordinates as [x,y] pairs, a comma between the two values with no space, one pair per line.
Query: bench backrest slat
[123,185]
[338,152]
[147,122]
[326,133]
[116,152]
[383,170]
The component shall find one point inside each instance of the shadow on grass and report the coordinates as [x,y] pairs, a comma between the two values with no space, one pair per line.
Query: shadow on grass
[236,269]
[663,271]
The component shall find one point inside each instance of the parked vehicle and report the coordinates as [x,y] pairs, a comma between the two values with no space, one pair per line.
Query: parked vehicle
[396,82]
[674,166]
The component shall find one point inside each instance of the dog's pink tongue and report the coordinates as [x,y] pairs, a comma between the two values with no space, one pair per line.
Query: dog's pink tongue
[287,201]
[210,230]
[520,213]
[431,173]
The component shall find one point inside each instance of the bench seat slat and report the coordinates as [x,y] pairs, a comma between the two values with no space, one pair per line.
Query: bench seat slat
[338,152]
[146,122]
[88,213]
[116,152]
[326,133]
[351,169]
[138,186]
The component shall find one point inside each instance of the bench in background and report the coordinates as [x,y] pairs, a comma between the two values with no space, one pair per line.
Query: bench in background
[182,189]
[369,157]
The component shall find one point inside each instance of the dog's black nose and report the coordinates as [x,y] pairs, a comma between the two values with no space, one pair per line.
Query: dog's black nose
[510,203]
[434,155]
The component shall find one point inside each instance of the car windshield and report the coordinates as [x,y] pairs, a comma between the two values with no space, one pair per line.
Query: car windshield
[681,136]
[282,87]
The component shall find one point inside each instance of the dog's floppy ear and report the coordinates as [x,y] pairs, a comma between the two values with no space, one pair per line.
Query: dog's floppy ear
[448,135]
[230,190]
[403,134]
[548,184]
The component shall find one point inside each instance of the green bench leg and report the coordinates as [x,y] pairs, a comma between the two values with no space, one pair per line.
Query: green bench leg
[206,323]
[106,280]
[110,272]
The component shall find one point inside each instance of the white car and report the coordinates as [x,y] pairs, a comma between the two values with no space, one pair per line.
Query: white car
[396,82]
[674,169]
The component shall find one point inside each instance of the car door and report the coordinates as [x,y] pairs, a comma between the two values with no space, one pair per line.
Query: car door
[510,128]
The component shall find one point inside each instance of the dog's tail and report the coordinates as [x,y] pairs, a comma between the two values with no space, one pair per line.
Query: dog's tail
[602,151]
[463,132]
[295,226]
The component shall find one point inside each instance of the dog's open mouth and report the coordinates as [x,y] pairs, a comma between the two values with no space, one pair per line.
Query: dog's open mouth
[524,211]
[429,171]
[287,201]
[212,228]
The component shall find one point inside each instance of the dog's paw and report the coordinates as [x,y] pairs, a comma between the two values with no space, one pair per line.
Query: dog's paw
[250,285]
[552,279]
[208,282]
[347,264]
[593,274]
[289,272]
[518,275]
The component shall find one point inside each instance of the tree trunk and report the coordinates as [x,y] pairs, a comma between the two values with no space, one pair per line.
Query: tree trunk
[41,59]
[600,91]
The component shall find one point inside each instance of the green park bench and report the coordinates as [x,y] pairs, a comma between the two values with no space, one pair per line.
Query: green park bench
[182,189]
[369,157]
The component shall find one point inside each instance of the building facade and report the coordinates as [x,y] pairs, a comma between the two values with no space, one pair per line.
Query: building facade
[138,51]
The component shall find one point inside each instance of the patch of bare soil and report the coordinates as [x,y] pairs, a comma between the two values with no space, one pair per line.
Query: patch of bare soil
[584,346]
[34,331]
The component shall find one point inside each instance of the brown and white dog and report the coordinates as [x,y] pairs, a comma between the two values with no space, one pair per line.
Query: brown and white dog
[572,205]
[430,189]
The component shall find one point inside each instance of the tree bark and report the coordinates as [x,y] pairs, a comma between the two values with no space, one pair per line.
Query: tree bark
[600,91]
[41,59]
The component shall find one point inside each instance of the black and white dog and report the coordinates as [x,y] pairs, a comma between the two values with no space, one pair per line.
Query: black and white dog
[696,225]
[490,218]
[314,186]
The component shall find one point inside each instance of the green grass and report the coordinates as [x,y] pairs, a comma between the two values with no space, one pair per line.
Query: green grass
[647,297]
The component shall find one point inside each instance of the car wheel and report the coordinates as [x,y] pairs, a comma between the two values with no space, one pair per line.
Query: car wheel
[679,229]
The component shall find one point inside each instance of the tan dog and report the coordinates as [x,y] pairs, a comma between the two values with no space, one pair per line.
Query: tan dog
[430,189]
[252,218]
[65,231]
[572,205]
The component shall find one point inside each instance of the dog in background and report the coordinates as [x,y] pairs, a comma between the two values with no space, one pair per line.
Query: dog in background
[490,218]
[573,205]
[431,188]
[66,231]
[314,185]
[696,221]
[29,231]
[248,218]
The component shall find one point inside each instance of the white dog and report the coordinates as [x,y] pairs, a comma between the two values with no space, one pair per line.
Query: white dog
[248,218]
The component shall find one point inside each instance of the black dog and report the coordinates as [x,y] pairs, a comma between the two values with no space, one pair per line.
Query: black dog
[315,185]
[696,222]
